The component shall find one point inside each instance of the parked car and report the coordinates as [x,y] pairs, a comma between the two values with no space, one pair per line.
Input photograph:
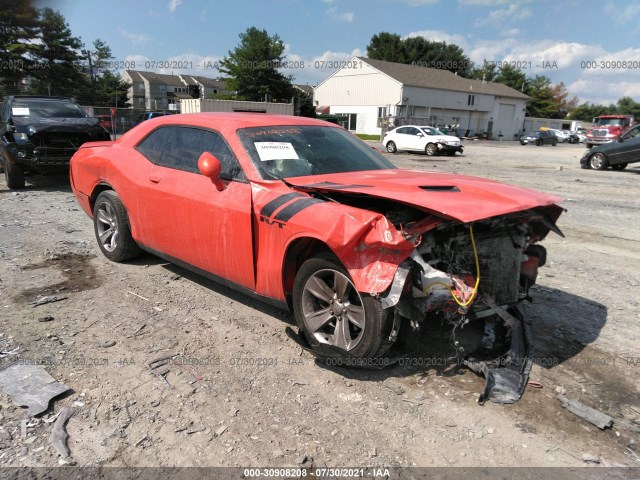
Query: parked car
[105,122]
[413,138]
[560,135]
[576,137]
[540,138]
[303,214]
[147,116]
[40,134]
[617,154]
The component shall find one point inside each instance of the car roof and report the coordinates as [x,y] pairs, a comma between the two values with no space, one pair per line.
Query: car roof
[236,120]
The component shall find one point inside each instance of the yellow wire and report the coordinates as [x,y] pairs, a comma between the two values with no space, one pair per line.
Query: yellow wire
[475,288]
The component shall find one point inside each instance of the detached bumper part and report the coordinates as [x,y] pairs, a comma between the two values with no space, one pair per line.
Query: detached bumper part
[506,377]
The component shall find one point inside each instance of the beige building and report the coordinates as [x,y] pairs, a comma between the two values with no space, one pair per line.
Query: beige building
[375,95]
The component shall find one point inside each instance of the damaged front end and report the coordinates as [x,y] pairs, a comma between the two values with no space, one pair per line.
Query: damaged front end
[481,271]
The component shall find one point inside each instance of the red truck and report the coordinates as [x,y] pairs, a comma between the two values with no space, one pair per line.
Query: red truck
[606,128]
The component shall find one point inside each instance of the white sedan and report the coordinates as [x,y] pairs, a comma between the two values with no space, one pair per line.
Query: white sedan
[413,138]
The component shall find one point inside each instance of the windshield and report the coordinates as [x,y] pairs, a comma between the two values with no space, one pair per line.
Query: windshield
[34,108]
[431,131]
[295,151]
[611,122]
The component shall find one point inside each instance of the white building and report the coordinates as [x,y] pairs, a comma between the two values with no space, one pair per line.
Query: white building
[375,94]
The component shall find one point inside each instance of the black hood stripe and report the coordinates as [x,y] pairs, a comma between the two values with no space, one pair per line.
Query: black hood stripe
[294,208]
[277,202]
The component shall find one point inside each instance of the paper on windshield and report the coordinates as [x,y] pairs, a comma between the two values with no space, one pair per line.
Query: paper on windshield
[276,151]
[18,111]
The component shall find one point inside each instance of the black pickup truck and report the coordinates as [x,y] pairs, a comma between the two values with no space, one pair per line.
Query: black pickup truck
[41,134]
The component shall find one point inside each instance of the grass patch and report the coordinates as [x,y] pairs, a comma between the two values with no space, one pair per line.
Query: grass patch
[362,136]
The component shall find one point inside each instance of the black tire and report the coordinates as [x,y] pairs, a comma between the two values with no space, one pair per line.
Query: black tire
[554,143]
[431,149]
[367,340]
[599,161]
[110,221]
[14,175]
[391,147]
[619,166]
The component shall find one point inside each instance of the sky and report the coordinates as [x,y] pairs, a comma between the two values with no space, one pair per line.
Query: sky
[591,46]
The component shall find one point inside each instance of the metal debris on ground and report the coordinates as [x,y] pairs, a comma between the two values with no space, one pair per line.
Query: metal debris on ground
[30,386]
[158,367]
[48,299]
[58,436]
[591,415]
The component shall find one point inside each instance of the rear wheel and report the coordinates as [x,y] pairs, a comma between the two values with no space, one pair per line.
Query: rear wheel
[391,147]
[599,161]
[330,311]
[619,166]
[111,226]
[14,175]
[431,149]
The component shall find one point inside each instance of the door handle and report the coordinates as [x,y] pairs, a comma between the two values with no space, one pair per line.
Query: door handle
[154,178]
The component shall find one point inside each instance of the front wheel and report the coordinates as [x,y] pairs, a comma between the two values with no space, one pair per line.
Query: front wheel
[554,143]
[599,162]
[619,166]
[14,175]
[111,226]
[431,149]
[330,311]
[391,147]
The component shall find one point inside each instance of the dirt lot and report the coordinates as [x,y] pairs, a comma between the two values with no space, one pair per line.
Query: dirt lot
[243,394]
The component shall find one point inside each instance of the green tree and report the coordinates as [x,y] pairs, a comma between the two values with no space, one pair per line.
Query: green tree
[386,46]
[106,84]
[59,57]
[252,68]
[511,76]
[587,112]
[628,106]
[304,104]
[542,103]
[488,72]
[18,27]
[419,51]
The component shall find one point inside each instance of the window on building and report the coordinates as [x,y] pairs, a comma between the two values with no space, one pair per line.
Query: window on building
[353,117]
[471,100]
[382,112]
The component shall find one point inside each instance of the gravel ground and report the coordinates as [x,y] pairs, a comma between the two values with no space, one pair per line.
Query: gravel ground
[240,393]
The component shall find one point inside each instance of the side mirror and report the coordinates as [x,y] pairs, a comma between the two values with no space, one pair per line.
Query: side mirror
[211,167]
[420,135]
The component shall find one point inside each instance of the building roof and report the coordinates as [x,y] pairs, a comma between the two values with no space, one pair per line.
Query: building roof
[205,81]
[135,75]
[424,77]
[305,88]
[160,78]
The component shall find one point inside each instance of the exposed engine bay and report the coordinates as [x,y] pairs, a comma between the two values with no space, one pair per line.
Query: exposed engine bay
[476,272]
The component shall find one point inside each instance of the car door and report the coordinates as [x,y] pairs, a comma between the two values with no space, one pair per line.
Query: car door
[184,216]
[416,139]
[402,138]
[627,150]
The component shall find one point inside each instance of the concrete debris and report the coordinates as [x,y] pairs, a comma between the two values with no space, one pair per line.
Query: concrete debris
[592,415]
[30,386]
[58,437]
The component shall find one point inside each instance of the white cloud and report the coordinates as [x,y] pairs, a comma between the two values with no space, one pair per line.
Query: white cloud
[513,13]
[627,14]
[173,4]
[439,36]
[493,3]
[418,3]
[510,32]
[134,38]
[340,16]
